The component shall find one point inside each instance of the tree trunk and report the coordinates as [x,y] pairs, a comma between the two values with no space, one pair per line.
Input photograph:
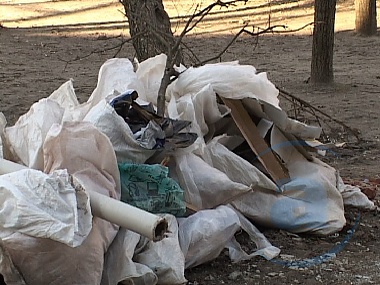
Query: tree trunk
[149,26]
[365,17]
[323,42]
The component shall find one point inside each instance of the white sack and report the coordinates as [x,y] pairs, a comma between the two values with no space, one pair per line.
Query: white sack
[164,257]
[150,73]
[3,123]
[264,247]
[127,149]
[45,206]
[229,80]
[119,266]
[116,76]
[7,269]
[236,168]
[201,109]
[44,261]
[206,233]
[27,136]
[310,202]
[205,186]
[65,96]
[87,154]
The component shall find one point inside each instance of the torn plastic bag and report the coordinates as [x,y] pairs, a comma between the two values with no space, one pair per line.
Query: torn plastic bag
[149,187]
[164,257]
[206,233]
[119,268]
[205,186]
[310,202]
[27,136]
[45,206]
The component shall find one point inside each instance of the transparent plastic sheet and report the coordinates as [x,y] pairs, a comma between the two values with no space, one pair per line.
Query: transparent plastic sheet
[206,233]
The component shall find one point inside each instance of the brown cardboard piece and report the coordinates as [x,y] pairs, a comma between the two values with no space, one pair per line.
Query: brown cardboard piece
[258,145]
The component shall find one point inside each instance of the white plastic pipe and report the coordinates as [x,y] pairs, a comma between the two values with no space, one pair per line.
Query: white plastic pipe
[112,210]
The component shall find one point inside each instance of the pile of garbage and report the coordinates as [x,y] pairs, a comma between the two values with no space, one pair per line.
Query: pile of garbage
[106,191]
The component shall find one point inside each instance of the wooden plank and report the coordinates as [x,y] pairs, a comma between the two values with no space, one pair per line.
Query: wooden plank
[259,146]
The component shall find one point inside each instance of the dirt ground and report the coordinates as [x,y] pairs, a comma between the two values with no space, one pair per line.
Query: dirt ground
[44,44]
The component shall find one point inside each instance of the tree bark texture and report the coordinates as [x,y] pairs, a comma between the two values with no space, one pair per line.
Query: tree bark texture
[365,17]
[323,42]
[149,26]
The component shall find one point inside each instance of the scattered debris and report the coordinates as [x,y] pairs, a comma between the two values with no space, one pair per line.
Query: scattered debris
[224,148]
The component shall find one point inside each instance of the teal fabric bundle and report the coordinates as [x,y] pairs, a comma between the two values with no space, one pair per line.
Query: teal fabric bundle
[150,188]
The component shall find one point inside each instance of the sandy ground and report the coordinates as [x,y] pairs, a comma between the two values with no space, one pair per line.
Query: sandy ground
[43,44]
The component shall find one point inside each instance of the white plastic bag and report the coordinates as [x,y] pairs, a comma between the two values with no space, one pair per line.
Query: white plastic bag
[206,233]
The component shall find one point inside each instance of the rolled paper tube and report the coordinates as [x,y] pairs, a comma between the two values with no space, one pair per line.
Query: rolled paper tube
[113,211]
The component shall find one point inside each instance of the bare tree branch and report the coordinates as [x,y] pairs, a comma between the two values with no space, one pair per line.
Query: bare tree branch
[313,110]
[118,47]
